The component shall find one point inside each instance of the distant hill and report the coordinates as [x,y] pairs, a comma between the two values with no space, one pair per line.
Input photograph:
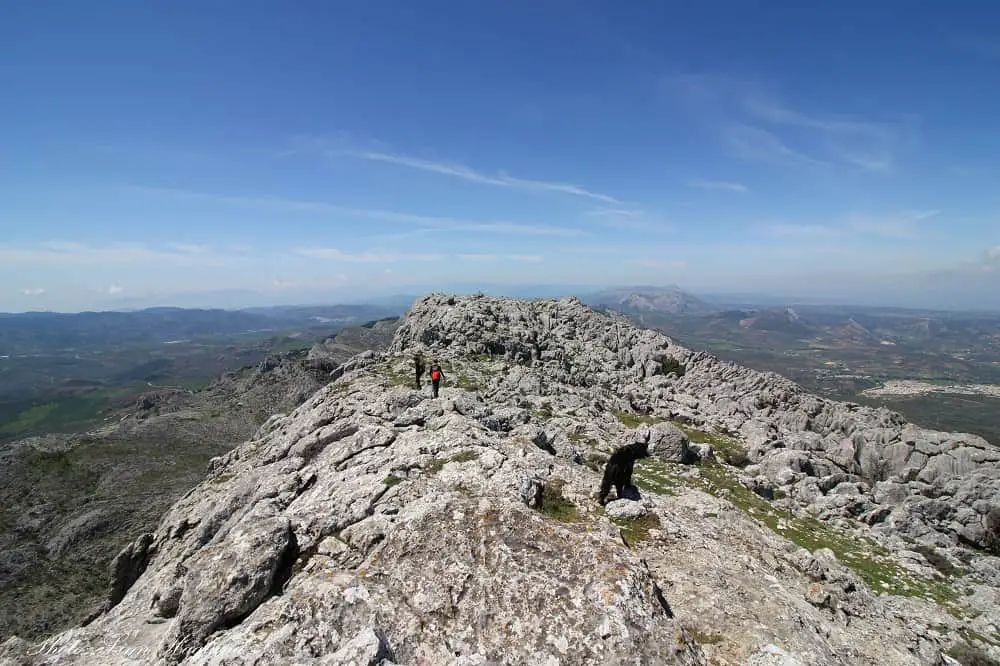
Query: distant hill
[652,300]
[45,332]
[778,320]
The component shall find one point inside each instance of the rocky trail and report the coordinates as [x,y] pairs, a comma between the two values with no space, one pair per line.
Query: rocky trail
[374,524]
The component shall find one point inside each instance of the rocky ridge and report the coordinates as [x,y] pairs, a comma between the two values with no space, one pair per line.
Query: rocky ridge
[374,524]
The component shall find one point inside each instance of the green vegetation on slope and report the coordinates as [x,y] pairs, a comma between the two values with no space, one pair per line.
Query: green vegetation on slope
[631,420]
[871,562]
[127,483]
[726,449]
[634,530]
[554,505]
[462,456]
[63,413]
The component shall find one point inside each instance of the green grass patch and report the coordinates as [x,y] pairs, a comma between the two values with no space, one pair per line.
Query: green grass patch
[705,637]
[455,376]
[630,420]
[465,382]
[973,635]
[554,505]
[290,344]
[970,655]
[870,561]
[194,384]
[938,561]
[397,377]
[61,414]
[670,365]
[29,419]
[68,470]
[596,461]
[463,456]
[392,480]
[635,530]
[726,449]
[657,477]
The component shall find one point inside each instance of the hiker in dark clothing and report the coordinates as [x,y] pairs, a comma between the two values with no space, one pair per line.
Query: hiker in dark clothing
[418,367]
[436,377]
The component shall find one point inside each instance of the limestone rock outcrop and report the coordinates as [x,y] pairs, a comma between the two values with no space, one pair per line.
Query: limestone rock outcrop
[375,524]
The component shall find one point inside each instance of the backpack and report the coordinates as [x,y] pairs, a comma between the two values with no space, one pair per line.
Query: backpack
[435,375]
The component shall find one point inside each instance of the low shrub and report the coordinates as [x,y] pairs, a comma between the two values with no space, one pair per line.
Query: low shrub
[671,366]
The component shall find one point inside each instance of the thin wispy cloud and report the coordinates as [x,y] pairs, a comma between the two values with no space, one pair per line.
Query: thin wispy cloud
[334,254]
[718,185]
[993,254]
[66,253]
[658,263]
[510,228]
[629,218]
[800,230]
[187,248]
[466,173]
[754,143]
[33,291]
[502,229]
[615,213]
[488,257]
[900,225]
[757,125]
[426,223]
[906,224]
[281,203]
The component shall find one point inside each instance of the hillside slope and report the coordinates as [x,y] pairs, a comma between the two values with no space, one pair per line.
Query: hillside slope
[374,524]
[69,503]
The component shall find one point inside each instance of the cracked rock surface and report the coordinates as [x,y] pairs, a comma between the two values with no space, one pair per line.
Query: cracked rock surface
[375,524]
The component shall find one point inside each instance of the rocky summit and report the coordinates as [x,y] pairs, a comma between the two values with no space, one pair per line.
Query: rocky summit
[378,525]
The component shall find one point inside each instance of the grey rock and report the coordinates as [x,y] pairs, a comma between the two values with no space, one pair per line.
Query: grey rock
[665,441]
[702,451]
[127,566]
[227,582]
[625,509]
[368,648]
[772,655]
[372,523]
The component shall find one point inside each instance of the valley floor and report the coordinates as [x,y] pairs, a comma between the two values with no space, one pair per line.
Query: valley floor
[912,387]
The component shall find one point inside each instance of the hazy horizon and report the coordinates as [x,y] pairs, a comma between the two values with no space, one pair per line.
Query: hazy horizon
[180,151]
[249,300]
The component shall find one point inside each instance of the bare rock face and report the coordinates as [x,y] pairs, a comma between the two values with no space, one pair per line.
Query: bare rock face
[375,524]
[666,441]
[222,585]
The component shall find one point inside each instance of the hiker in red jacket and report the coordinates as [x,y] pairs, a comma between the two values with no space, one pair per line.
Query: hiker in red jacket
[436,377]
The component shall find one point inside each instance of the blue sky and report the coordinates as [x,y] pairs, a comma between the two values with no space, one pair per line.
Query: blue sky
[186,151]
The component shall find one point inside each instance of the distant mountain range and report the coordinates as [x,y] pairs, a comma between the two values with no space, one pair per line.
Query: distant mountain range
[35,332]
[648,300]
[833,325]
